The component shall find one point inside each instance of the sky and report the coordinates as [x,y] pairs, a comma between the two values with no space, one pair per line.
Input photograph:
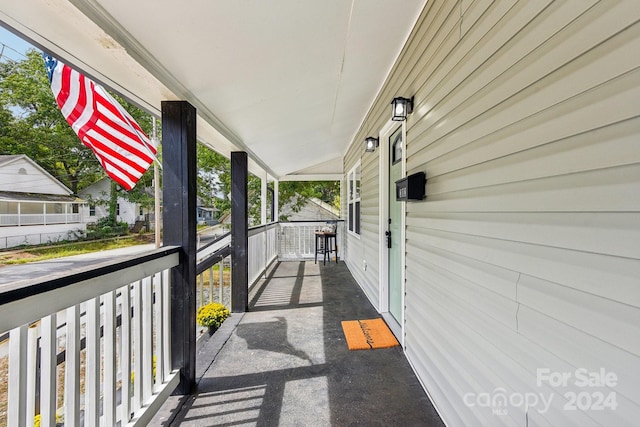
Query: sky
[16,46]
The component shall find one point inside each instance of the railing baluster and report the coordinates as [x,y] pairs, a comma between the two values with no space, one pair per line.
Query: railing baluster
[48,363]
[109,385]
[92,363]
[16,410]
[72,368]
[166,320]
[211,284]
[125,354]
[32,351]
[147,339]
[137,346]
[159,327]
[221,280]
[201,293]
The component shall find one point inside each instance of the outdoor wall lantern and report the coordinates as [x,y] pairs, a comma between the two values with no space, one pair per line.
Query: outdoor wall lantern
[370,144]
[401,107]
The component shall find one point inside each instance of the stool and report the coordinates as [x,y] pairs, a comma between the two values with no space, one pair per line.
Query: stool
[325,244]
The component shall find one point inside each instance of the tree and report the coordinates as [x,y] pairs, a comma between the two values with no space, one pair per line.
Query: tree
[297,193]
[214,186]
[36,127]
[214,178]
[39,129]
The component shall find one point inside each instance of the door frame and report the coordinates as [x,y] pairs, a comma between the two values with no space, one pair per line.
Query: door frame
[383,212]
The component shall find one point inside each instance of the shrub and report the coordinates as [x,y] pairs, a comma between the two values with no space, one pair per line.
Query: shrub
[104,228]
[212,315]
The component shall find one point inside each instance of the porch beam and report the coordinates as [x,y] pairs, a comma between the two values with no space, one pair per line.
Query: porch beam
[315,177]
[179,212]
[239,233]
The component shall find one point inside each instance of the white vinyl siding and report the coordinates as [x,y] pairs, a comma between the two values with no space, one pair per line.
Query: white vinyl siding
[525,254]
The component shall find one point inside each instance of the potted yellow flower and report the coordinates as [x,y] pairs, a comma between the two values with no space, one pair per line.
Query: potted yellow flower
[212,315]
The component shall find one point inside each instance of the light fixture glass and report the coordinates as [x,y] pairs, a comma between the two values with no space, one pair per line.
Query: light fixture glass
[370,144]
[401,107]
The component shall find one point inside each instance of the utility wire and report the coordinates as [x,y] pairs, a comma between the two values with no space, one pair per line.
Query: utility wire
[4,47]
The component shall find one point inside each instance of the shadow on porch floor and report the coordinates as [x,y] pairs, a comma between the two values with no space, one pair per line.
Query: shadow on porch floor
[286,361]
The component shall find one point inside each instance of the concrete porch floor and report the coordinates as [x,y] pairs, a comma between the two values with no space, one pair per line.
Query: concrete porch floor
[286,362]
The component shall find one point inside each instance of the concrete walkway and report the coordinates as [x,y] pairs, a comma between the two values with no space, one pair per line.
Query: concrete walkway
[286,362]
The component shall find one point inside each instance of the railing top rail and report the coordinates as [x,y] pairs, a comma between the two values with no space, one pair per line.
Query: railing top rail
[310,221]
[261,226]
[26,303]
[212,259]
[214,241]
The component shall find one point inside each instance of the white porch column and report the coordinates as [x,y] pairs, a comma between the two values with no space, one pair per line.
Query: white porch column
[276,200]
[343,197]
[263,199]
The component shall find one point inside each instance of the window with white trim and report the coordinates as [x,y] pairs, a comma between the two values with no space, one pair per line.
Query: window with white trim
[353,199]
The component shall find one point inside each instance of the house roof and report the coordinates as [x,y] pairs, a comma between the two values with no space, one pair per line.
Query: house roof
[288,81]
[7,160]
[313,209]
[35,197]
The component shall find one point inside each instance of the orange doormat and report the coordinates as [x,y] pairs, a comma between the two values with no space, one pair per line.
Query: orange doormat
[368,334]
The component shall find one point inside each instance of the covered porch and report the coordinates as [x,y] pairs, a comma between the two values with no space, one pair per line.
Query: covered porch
[286,361]
[518,253]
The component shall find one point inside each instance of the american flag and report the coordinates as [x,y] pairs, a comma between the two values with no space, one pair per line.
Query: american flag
[120,145]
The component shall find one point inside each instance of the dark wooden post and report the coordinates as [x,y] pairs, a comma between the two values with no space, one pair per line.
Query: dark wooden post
[179,229]
[239,233]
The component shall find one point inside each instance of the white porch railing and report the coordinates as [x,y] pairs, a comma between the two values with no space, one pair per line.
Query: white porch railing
[39,219]
[296,240]
[92,347]
[213,280]
[263,249]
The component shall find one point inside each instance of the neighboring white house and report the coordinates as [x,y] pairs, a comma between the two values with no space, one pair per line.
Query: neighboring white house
[313,210]
[34,206]
[99,192]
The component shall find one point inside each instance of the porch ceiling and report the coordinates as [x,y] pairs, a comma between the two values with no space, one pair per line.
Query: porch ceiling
[289,81]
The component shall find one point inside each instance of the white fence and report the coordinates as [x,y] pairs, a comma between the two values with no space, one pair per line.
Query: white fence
[95,352]
[296,240]
[39,219]
[262,249]
[41,234]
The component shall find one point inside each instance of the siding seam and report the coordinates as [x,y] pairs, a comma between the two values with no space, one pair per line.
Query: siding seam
[518,303]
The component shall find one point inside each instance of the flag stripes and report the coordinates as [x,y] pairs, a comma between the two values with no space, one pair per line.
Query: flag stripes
[120,145]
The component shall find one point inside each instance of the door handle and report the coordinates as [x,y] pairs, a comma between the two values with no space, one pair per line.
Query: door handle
[388,234]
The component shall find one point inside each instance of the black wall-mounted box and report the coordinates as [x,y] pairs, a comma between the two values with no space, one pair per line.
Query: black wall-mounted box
[411,187]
